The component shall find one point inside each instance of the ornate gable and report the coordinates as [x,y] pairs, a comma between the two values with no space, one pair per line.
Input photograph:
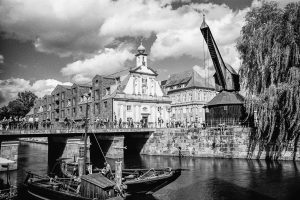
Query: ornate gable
[144,70]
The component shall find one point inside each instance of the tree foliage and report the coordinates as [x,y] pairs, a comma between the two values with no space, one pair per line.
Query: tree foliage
[4,112]
[270,52]
[18,107]
[27,98]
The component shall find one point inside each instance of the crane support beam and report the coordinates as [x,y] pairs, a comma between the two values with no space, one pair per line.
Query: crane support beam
[225,77]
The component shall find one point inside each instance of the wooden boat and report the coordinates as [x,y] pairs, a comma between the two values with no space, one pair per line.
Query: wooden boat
[7,190]
[89,187]
[136,181]
[141,181]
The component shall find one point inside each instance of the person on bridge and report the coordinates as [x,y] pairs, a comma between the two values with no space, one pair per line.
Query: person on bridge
[120,123]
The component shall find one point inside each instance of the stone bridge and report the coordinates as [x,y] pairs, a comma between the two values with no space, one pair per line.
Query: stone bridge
[67,142]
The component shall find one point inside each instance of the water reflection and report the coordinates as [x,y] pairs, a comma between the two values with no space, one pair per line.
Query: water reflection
[203,178]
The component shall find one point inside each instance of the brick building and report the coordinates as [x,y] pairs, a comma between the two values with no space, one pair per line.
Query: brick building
[60,96]
[99,88]
[78,100]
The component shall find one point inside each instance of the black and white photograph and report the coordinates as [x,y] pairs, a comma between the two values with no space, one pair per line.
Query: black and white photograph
[149,99]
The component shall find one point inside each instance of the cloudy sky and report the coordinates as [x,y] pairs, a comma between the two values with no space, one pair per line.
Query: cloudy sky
[50,42]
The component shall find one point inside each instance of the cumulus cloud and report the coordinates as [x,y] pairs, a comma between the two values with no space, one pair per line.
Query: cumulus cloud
[57,26]
[1,59]
[225,25]
[89,27]
[11,87]
[104,63]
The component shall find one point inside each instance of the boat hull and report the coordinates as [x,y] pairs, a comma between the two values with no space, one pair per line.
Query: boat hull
[150,185]
[49,194]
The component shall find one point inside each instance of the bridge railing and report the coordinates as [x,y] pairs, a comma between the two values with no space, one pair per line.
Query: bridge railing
[103,127]
[78,126]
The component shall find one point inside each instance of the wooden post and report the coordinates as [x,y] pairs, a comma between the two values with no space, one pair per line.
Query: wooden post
[118,174]
[81,166]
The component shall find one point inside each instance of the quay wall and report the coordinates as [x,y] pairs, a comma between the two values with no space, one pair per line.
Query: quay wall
[10,150]
[231,142]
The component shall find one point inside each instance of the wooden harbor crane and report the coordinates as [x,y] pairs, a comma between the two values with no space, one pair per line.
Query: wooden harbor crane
[227,106]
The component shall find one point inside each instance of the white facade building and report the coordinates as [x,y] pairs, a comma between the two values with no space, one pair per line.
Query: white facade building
[137,97]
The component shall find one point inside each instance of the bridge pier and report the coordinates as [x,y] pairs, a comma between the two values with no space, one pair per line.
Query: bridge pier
[116,150]
[10,150]
[63,147]
[73,147]
[112,146]
[56,147]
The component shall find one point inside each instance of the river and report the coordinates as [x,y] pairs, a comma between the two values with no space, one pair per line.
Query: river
[203,178]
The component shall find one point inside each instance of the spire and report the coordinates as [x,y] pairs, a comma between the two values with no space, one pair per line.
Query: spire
[141,48]
[203,25]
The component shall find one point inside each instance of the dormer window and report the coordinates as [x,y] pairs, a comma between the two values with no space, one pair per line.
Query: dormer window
[117,80]
[108,91]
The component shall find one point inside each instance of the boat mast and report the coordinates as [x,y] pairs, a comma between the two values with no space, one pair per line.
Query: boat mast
[85,134]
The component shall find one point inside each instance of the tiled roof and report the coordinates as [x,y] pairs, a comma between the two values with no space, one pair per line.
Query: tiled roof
[99,180]
[119,88]
[226,98]
[180,78]
[84,85]
[190,77]
[65,86]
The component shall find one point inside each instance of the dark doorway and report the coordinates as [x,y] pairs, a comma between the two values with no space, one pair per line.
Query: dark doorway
[144,121]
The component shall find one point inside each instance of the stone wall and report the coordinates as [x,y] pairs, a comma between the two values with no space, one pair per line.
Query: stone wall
[10,150]
[72,149]
[230,142]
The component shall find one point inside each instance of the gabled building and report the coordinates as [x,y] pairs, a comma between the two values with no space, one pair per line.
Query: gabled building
[78,100]
[137,96]
[189,92]
[59,99]
[46,104]
[100,85]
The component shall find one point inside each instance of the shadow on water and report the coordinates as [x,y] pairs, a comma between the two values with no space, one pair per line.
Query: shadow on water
[226,190]
[142,197]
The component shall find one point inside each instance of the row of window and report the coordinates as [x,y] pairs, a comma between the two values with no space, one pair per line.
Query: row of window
[200,96]
[176,87]
[129,108]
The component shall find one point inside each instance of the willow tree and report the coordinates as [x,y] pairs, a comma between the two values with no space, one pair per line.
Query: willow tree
[270,72]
